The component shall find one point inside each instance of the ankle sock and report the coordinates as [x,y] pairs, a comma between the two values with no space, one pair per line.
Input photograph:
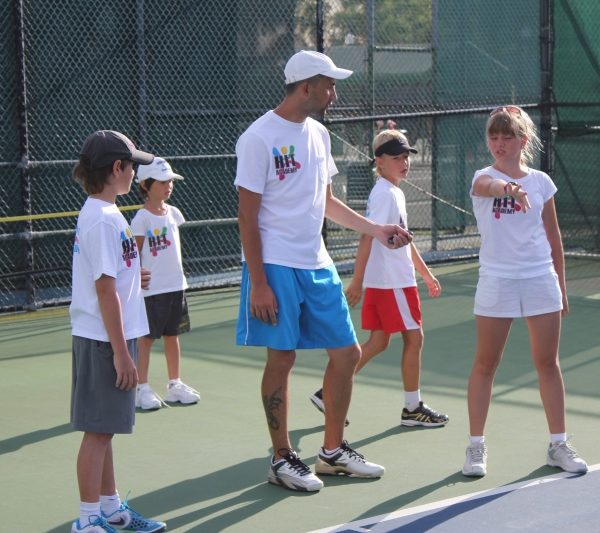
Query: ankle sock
[557,437]
[88,510]
[475,439]
[330,453]
[110,504]
[412,399]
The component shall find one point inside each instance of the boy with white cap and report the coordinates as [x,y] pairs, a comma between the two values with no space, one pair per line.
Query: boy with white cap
[291,296]
[156,230]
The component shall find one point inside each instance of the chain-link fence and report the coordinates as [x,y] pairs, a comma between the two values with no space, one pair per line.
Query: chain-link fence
[184,79]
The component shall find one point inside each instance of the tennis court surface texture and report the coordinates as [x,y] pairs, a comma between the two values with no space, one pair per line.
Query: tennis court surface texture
[203,467]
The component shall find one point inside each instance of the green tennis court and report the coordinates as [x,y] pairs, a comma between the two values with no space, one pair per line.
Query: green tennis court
[203,467]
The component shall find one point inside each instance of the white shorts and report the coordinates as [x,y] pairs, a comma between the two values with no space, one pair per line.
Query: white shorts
[513,298]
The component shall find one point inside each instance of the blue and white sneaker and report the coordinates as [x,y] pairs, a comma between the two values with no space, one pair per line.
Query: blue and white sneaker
[98,525]
[126,519]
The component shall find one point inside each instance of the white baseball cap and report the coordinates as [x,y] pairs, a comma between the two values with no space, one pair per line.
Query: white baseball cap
[306,64]
[158,170]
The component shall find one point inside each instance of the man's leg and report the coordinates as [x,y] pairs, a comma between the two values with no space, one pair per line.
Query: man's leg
[274,391]
[337,391]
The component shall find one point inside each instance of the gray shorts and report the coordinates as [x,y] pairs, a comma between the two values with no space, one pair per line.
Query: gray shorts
[97,405]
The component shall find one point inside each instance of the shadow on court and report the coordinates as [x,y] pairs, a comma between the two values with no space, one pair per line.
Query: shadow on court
[34,437]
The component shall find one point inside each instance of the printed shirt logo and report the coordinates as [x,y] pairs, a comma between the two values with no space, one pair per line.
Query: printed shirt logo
[76,249]
[285,161]
[157,240]
[505,206]
[129,246]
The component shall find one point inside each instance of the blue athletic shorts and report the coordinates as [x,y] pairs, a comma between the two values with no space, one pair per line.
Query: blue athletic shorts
[312,311]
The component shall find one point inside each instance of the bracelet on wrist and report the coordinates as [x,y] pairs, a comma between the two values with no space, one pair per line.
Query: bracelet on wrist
[508,184]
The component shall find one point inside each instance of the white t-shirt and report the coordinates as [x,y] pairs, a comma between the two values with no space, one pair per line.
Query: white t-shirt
[513,243]
[388,269]
[161,252]
[290,165]
[104,244]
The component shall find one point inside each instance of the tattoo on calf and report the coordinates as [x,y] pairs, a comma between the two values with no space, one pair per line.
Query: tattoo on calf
[271,404]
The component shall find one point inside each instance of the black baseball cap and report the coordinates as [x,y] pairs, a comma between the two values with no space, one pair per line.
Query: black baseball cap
[395,146]
[104,147]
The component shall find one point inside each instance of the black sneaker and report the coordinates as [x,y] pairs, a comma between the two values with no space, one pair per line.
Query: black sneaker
[423,416]
[317,401]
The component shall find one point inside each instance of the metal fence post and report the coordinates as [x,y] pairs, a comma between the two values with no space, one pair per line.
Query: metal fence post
[26,185]
[547,74]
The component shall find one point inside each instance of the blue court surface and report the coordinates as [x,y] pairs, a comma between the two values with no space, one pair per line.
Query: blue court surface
[559,503]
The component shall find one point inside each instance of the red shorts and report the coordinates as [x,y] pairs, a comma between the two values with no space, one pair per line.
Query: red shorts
[391,310]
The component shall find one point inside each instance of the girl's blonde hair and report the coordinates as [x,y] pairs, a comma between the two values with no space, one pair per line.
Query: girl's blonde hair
[512,120]
[384,136]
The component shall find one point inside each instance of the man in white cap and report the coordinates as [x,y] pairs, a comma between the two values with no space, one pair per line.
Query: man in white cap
[292,297]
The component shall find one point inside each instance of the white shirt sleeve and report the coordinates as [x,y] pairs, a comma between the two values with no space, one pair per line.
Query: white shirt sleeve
[253,162]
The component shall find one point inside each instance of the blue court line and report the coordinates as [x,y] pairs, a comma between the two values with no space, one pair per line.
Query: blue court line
[397,521]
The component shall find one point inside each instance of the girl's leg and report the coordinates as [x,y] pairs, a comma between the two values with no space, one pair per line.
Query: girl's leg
[143,362]
[492,334]
[544,337]
[173,355]
[377,342]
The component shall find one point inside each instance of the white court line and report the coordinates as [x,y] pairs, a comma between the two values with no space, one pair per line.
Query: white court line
[594,296]
[376,522]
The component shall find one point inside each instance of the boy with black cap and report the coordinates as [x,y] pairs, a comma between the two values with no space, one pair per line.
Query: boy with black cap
[107,316]
[392,302]
[291,295]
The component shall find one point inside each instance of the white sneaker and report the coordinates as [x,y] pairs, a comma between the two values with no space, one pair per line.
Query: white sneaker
[98,525]
[349,462]
[180,392]
[563,455]
[476,460]
[292,473]
[147,399]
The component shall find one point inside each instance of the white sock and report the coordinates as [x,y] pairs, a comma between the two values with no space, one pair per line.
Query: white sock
[173,382]
[87,510]
[557,437]
[110,504]
[329,453]
[475,439]
[412,399]
[143,386]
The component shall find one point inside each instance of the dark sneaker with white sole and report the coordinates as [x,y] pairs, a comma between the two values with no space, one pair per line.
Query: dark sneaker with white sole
[317,401]
[423,416]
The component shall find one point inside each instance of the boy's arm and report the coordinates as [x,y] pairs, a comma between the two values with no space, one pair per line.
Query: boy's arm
[110,309]
[354,290]
[434,286]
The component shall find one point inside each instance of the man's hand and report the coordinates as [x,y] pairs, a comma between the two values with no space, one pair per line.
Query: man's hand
[263,304]
[393,236]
